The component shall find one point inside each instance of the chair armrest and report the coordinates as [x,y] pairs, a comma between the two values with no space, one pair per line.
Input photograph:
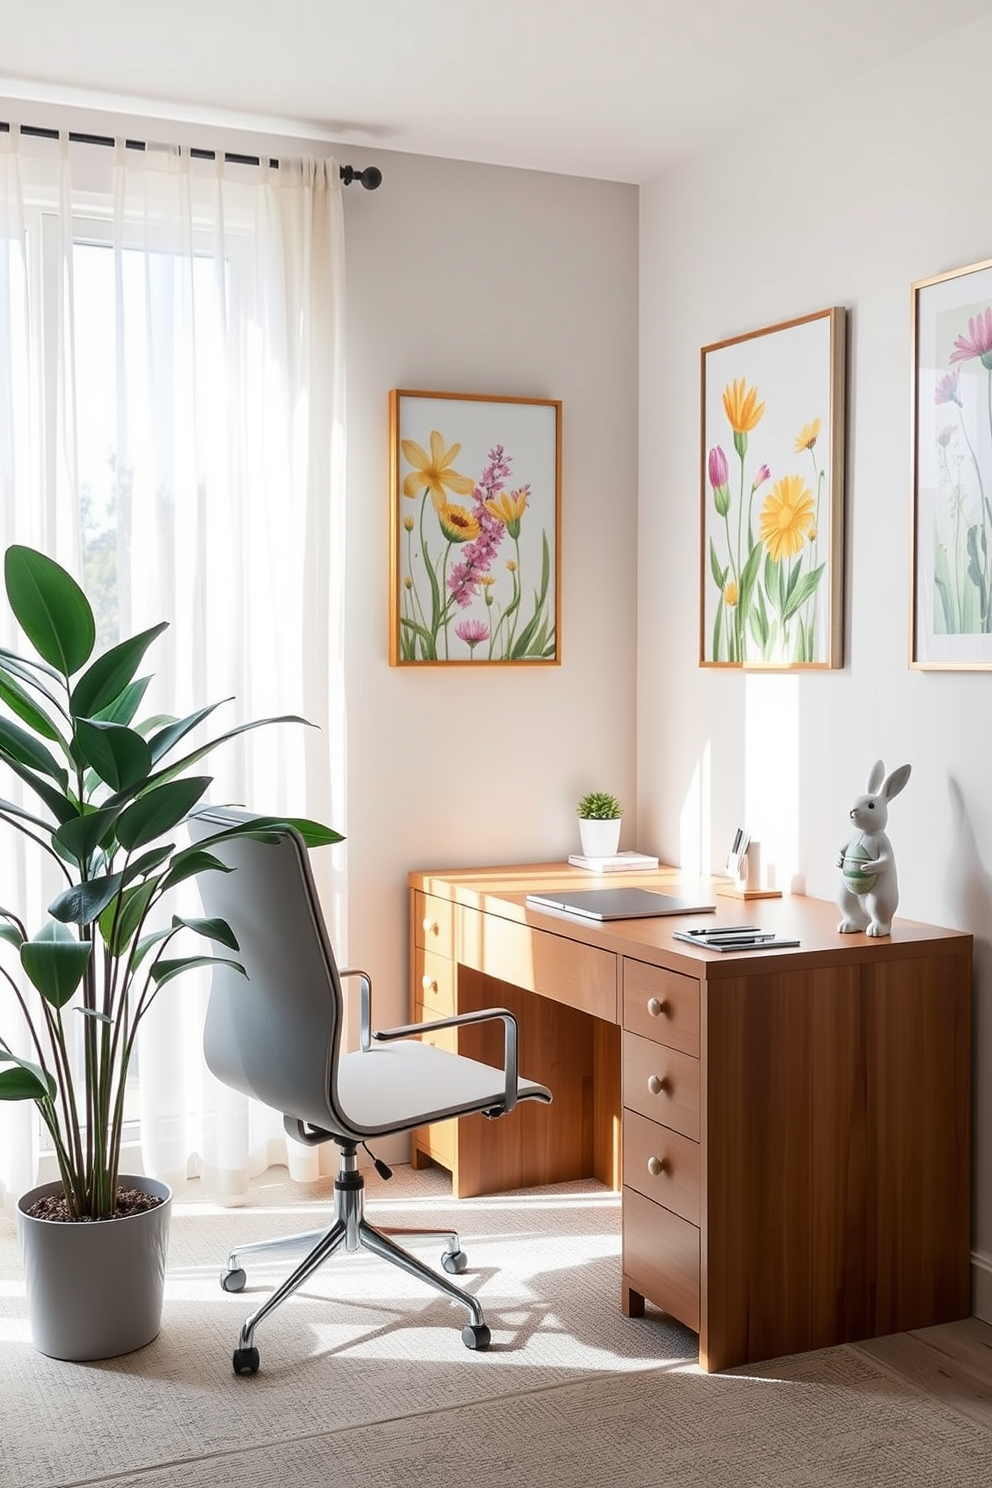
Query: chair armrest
[365,1024]
[484,1015]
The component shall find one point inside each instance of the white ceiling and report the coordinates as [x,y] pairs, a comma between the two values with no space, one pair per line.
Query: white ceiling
[614,89]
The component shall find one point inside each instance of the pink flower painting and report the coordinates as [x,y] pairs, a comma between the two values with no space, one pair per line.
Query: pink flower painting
[475,555]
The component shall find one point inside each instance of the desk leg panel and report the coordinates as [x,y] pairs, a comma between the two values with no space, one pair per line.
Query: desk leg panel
[562,1048]
[919,1053]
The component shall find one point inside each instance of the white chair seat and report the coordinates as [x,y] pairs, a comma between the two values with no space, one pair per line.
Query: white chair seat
[397,1086]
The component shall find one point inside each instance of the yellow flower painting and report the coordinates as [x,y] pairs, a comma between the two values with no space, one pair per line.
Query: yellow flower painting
[772,496]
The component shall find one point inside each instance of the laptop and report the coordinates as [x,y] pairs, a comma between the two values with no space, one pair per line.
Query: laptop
[617,904]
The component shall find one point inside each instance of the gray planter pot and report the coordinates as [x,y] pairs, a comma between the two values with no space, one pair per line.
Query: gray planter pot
[95,1290]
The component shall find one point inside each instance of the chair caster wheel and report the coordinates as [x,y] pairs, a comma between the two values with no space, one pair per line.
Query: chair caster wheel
[454,1262]
[245,1361]
[476,1336]
[233,1281]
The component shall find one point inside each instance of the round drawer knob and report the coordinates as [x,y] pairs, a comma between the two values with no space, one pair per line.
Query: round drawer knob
[431,926]
[428,983]
[656,1007]
[657,1084]
[657,1166]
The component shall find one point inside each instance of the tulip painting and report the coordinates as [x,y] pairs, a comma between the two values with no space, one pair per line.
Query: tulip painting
[772,495]
[475,517]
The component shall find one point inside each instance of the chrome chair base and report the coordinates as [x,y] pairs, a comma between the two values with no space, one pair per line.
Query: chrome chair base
[351,1231]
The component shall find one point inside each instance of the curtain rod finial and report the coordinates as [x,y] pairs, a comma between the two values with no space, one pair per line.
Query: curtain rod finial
[370,177]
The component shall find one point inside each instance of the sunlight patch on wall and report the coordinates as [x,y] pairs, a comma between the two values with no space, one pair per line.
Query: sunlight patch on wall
[771,772]
[696,817]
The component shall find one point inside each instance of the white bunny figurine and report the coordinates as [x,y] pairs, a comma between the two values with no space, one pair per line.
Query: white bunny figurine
[869,889]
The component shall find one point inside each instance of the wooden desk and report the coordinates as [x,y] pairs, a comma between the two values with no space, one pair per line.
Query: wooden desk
[791,1129]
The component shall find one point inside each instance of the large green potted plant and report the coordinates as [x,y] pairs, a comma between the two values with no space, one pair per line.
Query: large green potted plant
[107,800]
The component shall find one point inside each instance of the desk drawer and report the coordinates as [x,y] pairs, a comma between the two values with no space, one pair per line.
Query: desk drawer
[662,1165]
[661,1257]
[433,924]
[434,984]
[583,976]
[661,1005]
[662,1084]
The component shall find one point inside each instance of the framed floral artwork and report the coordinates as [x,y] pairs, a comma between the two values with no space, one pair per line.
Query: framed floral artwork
[951,621]
[475,526]
[772,478]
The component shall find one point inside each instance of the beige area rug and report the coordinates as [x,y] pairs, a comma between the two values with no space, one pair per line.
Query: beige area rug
[360,1342]
[365,1380]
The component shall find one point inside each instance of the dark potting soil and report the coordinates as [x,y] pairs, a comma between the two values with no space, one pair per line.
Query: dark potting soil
[129,1201]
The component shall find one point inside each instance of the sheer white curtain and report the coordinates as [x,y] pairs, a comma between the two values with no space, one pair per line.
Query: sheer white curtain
[171,430]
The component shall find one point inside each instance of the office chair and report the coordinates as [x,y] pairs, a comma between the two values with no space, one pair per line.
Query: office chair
[277,1037]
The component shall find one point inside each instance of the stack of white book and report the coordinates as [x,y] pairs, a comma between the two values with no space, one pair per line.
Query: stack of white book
[625,862]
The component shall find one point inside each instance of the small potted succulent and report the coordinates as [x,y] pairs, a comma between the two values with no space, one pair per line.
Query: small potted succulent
[599,824]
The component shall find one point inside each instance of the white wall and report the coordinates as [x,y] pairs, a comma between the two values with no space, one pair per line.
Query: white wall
[481,279]
[843,203]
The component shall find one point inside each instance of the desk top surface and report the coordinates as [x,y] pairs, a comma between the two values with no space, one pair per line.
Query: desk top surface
[502,891]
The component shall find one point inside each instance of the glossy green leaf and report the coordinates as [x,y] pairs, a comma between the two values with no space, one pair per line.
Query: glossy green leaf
[83,834]
[9,808]
[31,671]
[166,970]
[267,828]
[190,864]
[97,1017]
[214,929]
[167,737]
[24,1080]
[82,903]
[55,961]
[17,744]
[20,701]
[148,861]
[190,759]
[11,935]
[159,810]
[61,807]
[106,678]
[120,919]
[314,833]
[148,726]
[124,707]
[50,608]
[119,755]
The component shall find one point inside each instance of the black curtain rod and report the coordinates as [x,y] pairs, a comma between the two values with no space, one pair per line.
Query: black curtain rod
[370,177]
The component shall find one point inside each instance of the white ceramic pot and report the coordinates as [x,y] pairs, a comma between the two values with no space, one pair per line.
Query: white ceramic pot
[600,839]
[95,1289]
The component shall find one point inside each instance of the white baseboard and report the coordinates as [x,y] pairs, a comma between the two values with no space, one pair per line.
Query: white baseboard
[981,1286]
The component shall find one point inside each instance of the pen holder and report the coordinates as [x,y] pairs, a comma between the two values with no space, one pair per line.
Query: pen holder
[747,884]
[749,869]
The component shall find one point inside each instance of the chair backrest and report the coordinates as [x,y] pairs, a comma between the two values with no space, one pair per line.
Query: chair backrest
[276,1034]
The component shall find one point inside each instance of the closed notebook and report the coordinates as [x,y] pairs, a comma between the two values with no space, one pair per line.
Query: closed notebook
[617,904]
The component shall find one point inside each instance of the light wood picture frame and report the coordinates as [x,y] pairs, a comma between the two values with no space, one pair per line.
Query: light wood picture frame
[772,496]
[475,530]
[951,588]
